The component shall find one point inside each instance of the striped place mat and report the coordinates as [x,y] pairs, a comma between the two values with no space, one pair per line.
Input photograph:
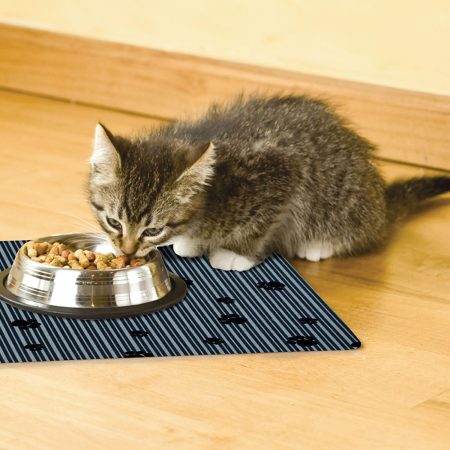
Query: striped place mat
[269,308]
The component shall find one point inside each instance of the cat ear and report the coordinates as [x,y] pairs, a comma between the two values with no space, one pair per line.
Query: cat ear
[201,164]
[199,172]
[105,160]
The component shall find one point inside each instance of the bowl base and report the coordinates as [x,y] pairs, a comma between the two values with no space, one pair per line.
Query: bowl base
[175,296]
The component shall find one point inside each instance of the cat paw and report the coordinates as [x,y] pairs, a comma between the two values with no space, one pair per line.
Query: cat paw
[228,260]
[315,251]
[186,247]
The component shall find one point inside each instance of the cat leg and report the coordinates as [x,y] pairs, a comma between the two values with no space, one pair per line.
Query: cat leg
[315,251]
[227,260]
[186,247]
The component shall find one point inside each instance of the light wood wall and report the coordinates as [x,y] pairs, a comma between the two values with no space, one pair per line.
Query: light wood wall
[402,43]
[406,126]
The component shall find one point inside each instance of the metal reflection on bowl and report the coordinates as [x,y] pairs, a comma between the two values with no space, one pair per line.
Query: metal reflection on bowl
[90,294]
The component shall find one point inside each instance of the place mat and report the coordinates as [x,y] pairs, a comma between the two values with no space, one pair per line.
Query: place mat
[269,308]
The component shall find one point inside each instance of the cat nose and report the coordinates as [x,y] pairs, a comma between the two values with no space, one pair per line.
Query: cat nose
[129,246]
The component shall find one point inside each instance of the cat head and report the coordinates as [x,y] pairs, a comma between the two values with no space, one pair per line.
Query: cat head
[145,191]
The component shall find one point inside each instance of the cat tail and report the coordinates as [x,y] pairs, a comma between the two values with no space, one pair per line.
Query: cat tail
[402,196]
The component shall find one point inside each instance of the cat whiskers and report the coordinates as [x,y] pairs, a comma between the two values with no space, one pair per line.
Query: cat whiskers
[85,224]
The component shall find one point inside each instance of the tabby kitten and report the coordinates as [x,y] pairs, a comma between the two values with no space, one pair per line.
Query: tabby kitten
[263,175]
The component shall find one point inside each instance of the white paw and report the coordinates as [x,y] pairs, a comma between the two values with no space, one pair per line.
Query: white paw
[186,247]
[315,251]
[301,252]
[326,250]
[228,260]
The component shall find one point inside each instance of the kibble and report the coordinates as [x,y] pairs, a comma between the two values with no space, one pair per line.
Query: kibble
[59,255]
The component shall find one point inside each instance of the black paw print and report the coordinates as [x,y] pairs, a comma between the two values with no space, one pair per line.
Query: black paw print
[270,285]
[213,341]
[25,324]
[137,354]
[303,341]
[226,300]
[227,319]
[34,347]
[308,320]
[138,333]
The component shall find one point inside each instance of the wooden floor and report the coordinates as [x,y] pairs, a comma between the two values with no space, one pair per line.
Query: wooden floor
[392,393]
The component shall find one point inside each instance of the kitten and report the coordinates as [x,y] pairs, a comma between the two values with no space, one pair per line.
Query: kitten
[263,175]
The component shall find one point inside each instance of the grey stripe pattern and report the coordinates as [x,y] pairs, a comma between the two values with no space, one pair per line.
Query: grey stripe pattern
[269,308]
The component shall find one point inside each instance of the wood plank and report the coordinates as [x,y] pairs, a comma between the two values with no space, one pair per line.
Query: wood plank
[407,126]
[44,156]
[392,393]
[439,404]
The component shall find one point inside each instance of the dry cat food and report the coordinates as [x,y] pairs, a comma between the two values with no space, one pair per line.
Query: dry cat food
[60,255]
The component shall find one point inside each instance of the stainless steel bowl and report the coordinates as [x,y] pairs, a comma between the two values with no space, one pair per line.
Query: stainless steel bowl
[90,294]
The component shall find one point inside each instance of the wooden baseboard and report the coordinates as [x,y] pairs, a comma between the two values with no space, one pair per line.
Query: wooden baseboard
[406,126]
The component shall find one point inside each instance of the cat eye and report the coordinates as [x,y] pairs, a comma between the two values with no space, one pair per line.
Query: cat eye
[151,232]
[114,223]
